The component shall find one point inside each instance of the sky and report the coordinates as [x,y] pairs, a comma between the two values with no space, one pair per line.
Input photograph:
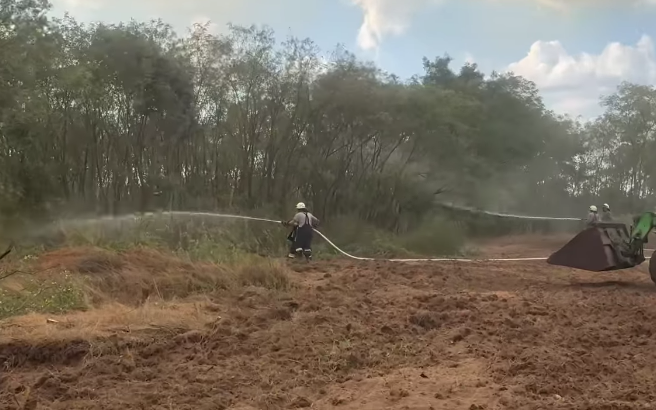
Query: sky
[574,50]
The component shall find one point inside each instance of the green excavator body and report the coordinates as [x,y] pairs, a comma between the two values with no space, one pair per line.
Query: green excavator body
[608,246]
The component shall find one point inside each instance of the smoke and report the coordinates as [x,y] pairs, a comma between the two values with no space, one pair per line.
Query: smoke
[383,18]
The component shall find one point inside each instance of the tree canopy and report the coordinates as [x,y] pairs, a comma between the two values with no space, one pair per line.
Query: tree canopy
[101,116]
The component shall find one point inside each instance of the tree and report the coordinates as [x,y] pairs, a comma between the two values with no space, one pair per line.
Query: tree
[101,116]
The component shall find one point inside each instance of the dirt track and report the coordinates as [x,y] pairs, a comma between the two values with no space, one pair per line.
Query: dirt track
[370,336]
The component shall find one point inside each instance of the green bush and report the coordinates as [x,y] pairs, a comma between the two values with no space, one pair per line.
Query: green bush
[435,237]
[201,237]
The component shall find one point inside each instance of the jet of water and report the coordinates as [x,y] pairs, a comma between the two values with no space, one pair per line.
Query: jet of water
[135,217]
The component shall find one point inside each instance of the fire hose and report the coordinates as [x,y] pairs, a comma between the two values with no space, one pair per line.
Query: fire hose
[324,237]
[338,249]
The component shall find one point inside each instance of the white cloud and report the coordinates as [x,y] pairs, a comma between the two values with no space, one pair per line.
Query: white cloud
[382,18]
[575,82]
[571,83]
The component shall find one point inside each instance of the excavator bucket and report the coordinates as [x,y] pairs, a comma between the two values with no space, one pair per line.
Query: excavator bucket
[600,248]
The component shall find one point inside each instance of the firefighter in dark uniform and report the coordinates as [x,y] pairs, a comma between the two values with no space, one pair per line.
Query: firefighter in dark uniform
[302,233]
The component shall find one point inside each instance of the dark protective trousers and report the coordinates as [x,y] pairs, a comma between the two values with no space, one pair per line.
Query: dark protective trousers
[303,238]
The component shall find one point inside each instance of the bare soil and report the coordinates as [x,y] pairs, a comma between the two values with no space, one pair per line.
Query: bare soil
[522,246]
[357,335]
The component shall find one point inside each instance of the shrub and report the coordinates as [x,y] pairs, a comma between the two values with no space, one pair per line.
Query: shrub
[435,237]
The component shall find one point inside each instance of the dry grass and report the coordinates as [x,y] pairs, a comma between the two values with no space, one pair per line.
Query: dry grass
[128,291]
[107,320]
[131,277]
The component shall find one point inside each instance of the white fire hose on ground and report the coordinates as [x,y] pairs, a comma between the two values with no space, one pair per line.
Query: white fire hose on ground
[348,255]
[338,249]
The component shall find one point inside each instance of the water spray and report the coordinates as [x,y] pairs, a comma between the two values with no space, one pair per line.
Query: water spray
[135,217]
[512,216]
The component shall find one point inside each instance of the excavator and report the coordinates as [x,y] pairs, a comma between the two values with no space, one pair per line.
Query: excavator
[608,246]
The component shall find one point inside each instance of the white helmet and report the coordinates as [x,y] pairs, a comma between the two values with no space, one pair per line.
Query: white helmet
[593,208]
[607,206]
[300,205]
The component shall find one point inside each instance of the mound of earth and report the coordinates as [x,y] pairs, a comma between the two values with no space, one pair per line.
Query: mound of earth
[365,335]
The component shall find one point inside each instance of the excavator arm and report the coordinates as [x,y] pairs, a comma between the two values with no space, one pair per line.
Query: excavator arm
[642,226]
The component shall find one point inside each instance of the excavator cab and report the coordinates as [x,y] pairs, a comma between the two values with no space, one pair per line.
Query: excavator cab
[607,246]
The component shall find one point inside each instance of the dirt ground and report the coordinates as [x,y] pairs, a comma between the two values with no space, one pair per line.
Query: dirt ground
[521,246]
[357,336]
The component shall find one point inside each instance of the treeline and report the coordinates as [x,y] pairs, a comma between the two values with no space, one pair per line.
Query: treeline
[132,117]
